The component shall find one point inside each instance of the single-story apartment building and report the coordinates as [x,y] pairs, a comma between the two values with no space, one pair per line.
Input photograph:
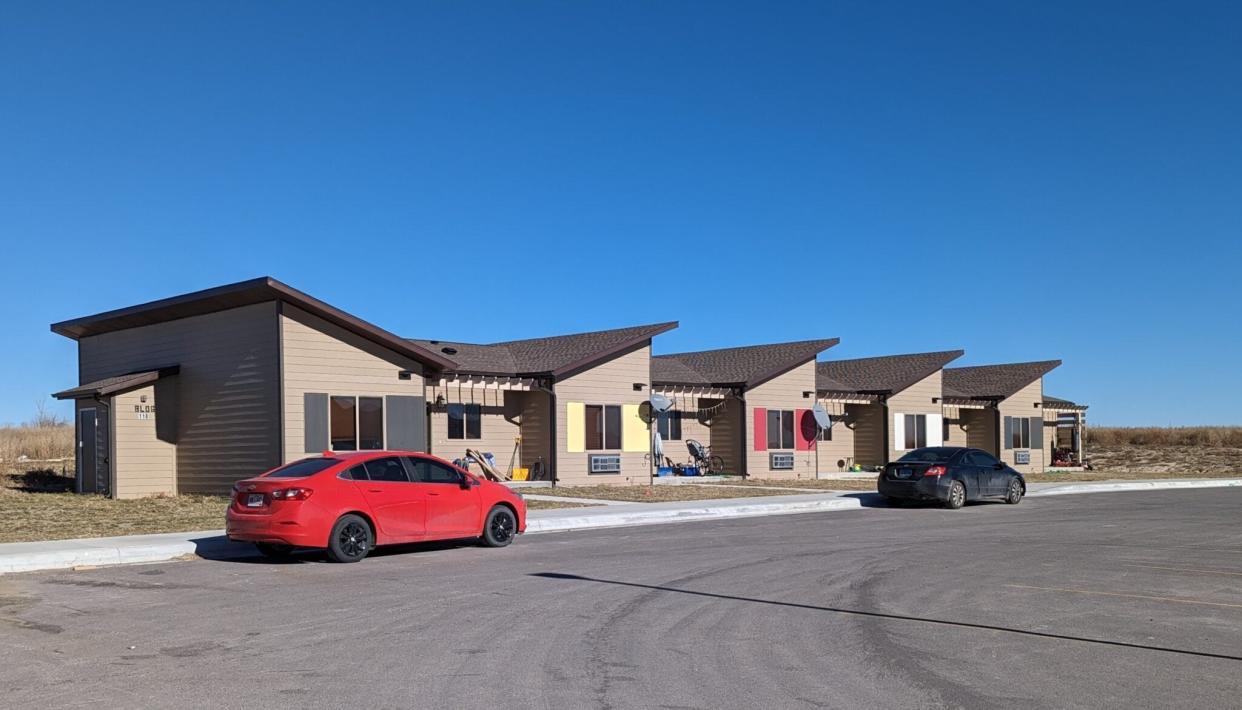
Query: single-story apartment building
[191,393]
[999,408]
[885,406]
[750,405]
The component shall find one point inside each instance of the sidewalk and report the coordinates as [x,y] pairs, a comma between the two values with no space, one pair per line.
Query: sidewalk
[211,544]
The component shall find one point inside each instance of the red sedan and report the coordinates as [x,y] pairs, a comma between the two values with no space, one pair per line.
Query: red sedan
[348,503]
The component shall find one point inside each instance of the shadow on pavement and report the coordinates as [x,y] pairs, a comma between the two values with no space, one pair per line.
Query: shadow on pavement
[218,548]
[563,576]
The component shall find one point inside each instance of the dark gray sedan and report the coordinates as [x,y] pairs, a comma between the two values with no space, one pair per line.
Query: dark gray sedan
[952,475]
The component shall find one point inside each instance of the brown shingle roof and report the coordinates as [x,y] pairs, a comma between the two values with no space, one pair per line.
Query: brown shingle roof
[243,293]
[555,355]
[120,383]
[888,373]
[994,380]
[1056,403]
[745,366]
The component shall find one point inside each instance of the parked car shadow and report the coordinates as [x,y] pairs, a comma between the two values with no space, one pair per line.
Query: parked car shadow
[218,548]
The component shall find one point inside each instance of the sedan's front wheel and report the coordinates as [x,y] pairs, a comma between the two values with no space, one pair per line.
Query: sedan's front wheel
[957,496]
[500,527]
[1013,495]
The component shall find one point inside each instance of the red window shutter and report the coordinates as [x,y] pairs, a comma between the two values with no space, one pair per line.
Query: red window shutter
[805,430]
[761,429]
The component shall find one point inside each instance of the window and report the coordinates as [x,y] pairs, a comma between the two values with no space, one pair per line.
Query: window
[357,473]
[780,429]
[303,468]
[603,427]
[669,425]
[386,469]
[356,423]
[979,458]
[428,471]
[825,433]
[1021,438]
[344,424]
[933,455]
[604,464]
[465,421]
[916,431]
[370,423]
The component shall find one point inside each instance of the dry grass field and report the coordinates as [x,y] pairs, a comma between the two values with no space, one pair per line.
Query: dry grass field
[1190,452]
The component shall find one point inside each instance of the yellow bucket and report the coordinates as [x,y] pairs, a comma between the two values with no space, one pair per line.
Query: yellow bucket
[520,474]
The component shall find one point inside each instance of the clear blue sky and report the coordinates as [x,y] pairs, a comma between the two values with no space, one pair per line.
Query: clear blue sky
[1022,180]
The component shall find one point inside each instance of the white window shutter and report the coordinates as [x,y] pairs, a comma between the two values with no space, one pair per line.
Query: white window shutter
[899,432]
[935,430]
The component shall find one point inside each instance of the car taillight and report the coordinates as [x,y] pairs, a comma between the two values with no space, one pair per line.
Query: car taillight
[291,494]
[933,471]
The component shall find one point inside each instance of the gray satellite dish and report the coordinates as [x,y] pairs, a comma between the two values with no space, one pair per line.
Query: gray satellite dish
[660,403]
[822,417]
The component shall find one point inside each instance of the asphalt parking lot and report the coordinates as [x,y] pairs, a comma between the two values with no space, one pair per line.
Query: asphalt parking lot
[1107,600]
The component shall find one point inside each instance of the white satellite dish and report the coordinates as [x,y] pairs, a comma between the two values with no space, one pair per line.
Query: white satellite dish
[660,403]
[822,417]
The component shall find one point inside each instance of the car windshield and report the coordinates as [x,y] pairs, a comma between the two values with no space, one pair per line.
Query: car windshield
[931,455]
[303,468]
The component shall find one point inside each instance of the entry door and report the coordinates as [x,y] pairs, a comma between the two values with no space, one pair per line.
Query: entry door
[87,451]
[93,442]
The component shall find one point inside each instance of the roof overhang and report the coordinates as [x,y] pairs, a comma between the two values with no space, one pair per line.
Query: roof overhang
[117,385]
[244,293]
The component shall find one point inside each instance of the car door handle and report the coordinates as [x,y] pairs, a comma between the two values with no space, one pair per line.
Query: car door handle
[375,490]
[433,493]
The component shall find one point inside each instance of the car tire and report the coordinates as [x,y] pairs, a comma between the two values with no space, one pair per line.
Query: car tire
[499,527]
[957,496]
[1014,493]
[274,550]
[351,539]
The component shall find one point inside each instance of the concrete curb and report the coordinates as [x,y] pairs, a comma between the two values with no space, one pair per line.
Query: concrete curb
[566,520]
[128,549]
[1123,486]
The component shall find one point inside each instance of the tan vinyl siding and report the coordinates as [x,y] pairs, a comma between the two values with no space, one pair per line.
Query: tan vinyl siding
[319,357]
[953,419]
[726,435]
[228,389]
[980,429]
[868,422]
[922,397]
[611,382]
[537,439]
[783,392]
[718,433]
[143,464]
[499,423]
[838,454]
[1022,404]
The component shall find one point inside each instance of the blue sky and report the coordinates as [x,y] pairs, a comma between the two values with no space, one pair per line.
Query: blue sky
[1022,180]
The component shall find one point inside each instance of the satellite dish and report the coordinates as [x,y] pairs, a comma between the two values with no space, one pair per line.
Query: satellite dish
[660,403]
[822,417]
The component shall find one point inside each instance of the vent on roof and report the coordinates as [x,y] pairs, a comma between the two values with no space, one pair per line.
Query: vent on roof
[434,342]
[448,351]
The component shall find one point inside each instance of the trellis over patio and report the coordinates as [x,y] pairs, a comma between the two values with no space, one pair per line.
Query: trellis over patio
[1065,428]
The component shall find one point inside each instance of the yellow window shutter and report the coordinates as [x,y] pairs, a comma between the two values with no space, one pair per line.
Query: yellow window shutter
[575,427]
[634,432]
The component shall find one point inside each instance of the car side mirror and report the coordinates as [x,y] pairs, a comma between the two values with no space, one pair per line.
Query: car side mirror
[466,483]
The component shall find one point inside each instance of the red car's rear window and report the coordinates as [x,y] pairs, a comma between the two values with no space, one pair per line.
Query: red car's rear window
[303,468]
